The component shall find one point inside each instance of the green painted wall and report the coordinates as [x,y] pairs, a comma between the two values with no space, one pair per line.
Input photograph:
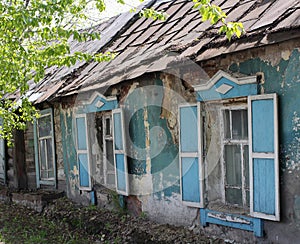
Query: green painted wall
[69,151]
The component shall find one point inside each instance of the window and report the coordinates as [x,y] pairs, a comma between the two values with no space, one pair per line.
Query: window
[236,156]
[239,144]
[44,147]
[108,156]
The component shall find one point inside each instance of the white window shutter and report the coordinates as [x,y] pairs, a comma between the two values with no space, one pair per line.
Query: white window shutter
[263,156]
[120,157]
[190,155]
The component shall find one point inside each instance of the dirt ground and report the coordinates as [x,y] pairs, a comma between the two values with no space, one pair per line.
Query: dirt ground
[62,221]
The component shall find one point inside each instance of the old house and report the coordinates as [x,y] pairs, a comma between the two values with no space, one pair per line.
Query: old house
[183,125]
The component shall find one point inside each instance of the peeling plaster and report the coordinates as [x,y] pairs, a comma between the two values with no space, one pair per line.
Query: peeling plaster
[292,153]
[170,210]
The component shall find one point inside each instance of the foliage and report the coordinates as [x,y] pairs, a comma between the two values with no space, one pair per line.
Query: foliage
[34,35]
[215,14]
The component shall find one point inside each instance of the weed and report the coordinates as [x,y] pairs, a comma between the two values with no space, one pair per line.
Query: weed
[143,215]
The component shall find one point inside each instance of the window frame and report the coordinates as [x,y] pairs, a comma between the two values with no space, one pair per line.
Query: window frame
[37,139]
[239,142]
[105,138]
[120,154]
[83,151]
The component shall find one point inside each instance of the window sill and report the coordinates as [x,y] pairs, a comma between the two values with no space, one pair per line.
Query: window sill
[222,207]
[231,220]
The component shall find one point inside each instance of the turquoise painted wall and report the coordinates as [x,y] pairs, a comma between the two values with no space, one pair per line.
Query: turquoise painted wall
[151,138]
[69,151]
[283,79]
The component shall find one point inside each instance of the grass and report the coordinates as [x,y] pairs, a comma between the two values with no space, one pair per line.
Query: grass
[27,227]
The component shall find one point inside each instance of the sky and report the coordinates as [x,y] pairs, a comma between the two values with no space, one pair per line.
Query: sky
[112,8]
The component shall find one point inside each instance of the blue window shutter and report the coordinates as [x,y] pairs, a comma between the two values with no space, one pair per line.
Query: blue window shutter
[83,153]
[120,157]
[263,156]
[190,155]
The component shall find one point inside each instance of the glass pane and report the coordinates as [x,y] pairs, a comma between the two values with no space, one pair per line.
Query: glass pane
[245,124]
[236,124]
[44,126]
[233,165]
[234,196]
[42,160]
[49,154]
[109,155]
[246,165]
[108,127]
[42,145]
[227,124]
[81,133]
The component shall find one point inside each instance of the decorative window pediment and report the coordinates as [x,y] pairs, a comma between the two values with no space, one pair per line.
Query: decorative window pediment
[222,86]
[97,103]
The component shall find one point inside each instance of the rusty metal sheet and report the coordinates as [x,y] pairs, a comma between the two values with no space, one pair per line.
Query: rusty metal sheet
[273,13]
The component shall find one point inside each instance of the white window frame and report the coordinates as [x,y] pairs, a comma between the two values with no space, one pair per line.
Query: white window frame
[37,139]
[239,142]
[80,151]
[105,116]
[120,151]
